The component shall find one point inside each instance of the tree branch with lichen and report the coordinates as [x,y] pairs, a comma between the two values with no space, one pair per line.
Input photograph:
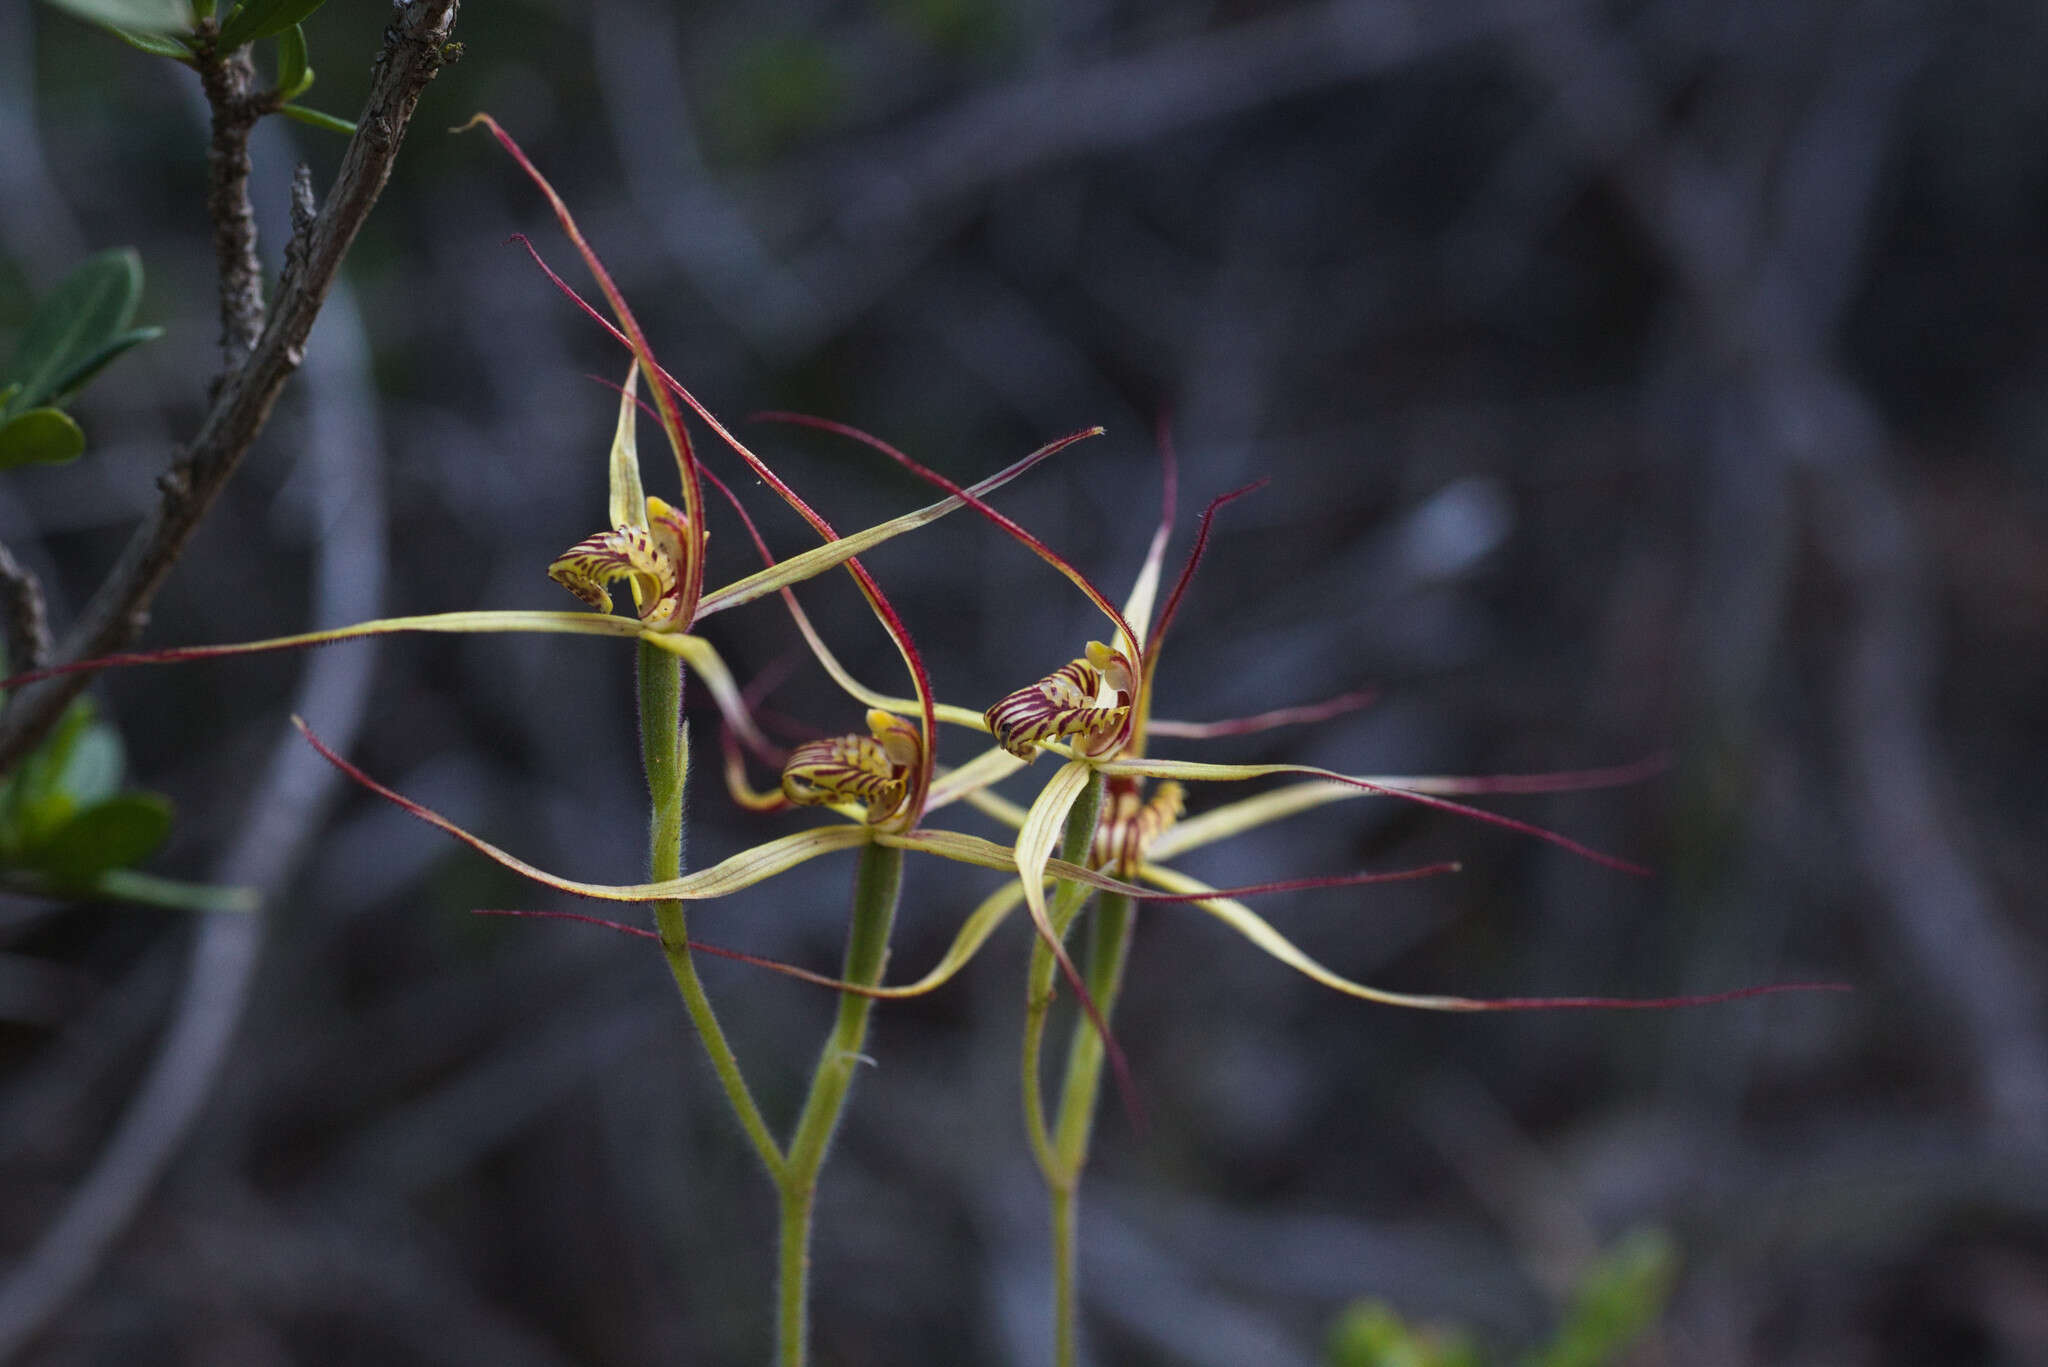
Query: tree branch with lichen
[228,80]
[26,620]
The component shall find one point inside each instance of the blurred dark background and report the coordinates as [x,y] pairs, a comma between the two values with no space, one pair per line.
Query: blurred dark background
[1660,376]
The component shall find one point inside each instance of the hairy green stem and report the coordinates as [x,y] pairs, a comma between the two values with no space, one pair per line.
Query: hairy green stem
[867,953]
[665,753]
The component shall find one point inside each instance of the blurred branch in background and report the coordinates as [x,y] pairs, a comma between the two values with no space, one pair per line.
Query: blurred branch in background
[1767,252]
[286,810]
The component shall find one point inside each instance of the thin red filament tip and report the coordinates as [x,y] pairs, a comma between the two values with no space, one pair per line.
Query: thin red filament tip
[1187,572]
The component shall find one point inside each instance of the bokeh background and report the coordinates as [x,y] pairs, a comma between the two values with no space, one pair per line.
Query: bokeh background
[1631,378]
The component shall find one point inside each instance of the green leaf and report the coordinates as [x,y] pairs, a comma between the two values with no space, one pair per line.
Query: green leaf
[1370,1334]
[154,44]
[255,19]
[1618,1299]
[36,803]
[317,119]
[142,16]
[93,768]
[294,77]
[41,436]
[126,885]
[87,312]
[94,364]
[110,835]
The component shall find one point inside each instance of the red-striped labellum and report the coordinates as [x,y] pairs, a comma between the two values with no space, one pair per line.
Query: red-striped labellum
[882,770]
[1070,705]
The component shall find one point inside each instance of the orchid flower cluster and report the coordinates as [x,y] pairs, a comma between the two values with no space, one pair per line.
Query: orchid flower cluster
[1099,835]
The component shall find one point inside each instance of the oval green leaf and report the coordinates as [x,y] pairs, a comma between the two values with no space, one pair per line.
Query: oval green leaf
[41,436]
[318,120]
[294,76]
[155,44]
[88,311]
[171,894]
[36,803]
[143,16]
[112,835]
[255,19]
[99,360]
[93,766]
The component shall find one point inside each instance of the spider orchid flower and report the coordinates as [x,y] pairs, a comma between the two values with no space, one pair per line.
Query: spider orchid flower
[1096,713]
[883,783]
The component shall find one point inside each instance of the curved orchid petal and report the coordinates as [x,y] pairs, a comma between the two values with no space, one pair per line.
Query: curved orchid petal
[971,780]
[1253,927]
[967,942]
[987,854]
[1035,842]
[1185,769]
[1032,543]
[1263,721]
[727,597]
[1234,818]
[455,623]
[861,693]
[627,499]
[995,805]
[1237,817]
[743,870]
[1249,924]
[972,849]
[697,652]
[825,557]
